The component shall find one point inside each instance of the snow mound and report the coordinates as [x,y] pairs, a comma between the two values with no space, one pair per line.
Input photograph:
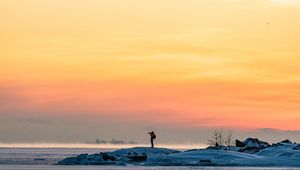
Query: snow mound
[203,158]
[141,150]
[136,156]
[282,154]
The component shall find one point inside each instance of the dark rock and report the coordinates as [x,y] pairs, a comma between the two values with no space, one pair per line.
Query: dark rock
[206,162]
[94,157]
[276,144]
[250,150]
[286,141]
[107,157]
[253,145]
[296,147]
[81,157]
[39,159]
[254,142]
[213,148]
[240,144]
[137,158]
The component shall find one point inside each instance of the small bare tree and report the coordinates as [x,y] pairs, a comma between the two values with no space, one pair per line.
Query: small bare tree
[217,138]
[229,140]
[221,138]
[213,141]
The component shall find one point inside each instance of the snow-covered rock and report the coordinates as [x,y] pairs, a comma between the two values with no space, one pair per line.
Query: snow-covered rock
[93,159]
[253,142]
[285,154]
[135,155]
[251,145]
[239,143]
[286,141]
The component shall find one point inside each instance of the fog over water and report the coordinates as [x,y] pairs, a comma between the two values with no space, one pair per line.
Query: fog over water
[96,146]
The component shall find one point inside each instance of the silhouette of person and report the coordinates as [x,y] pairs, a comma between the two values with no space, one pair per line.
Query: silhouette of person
[152,137]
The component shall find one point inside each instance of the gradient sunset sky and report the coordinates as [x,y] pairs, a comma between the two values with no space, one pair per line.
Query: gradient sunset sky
[74,70]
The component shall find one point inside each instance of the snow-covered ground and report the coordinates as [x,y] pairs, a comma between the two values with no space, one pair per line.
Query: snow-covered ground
[253,153]
[44,158]
[61,167]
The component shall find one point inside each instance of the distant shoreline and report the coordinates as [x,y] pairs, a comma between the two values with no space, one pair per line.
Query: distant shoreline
[93,146]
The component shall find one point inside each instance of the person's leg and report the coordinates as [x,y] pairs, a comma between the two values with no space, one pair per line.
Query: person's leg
[152,145]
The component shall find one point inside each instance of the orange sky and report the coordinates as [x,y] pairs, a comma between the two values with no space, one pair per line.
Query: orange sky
[214,63]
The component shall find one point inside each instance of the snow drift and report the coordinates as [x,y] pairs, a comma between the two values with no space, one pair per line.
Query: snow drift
[252,153]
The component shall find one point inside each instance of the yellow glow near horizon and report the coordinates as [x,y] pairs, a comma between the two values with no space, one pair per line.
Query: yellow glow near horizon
[290,2]
[232,63]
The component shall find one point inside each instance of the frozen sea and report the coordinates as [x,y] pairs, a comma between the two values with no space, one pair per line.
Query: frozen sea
[46,158]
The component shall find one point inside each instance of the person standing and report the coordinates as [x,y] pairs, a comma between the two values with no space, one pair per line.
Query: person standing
[152,137]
